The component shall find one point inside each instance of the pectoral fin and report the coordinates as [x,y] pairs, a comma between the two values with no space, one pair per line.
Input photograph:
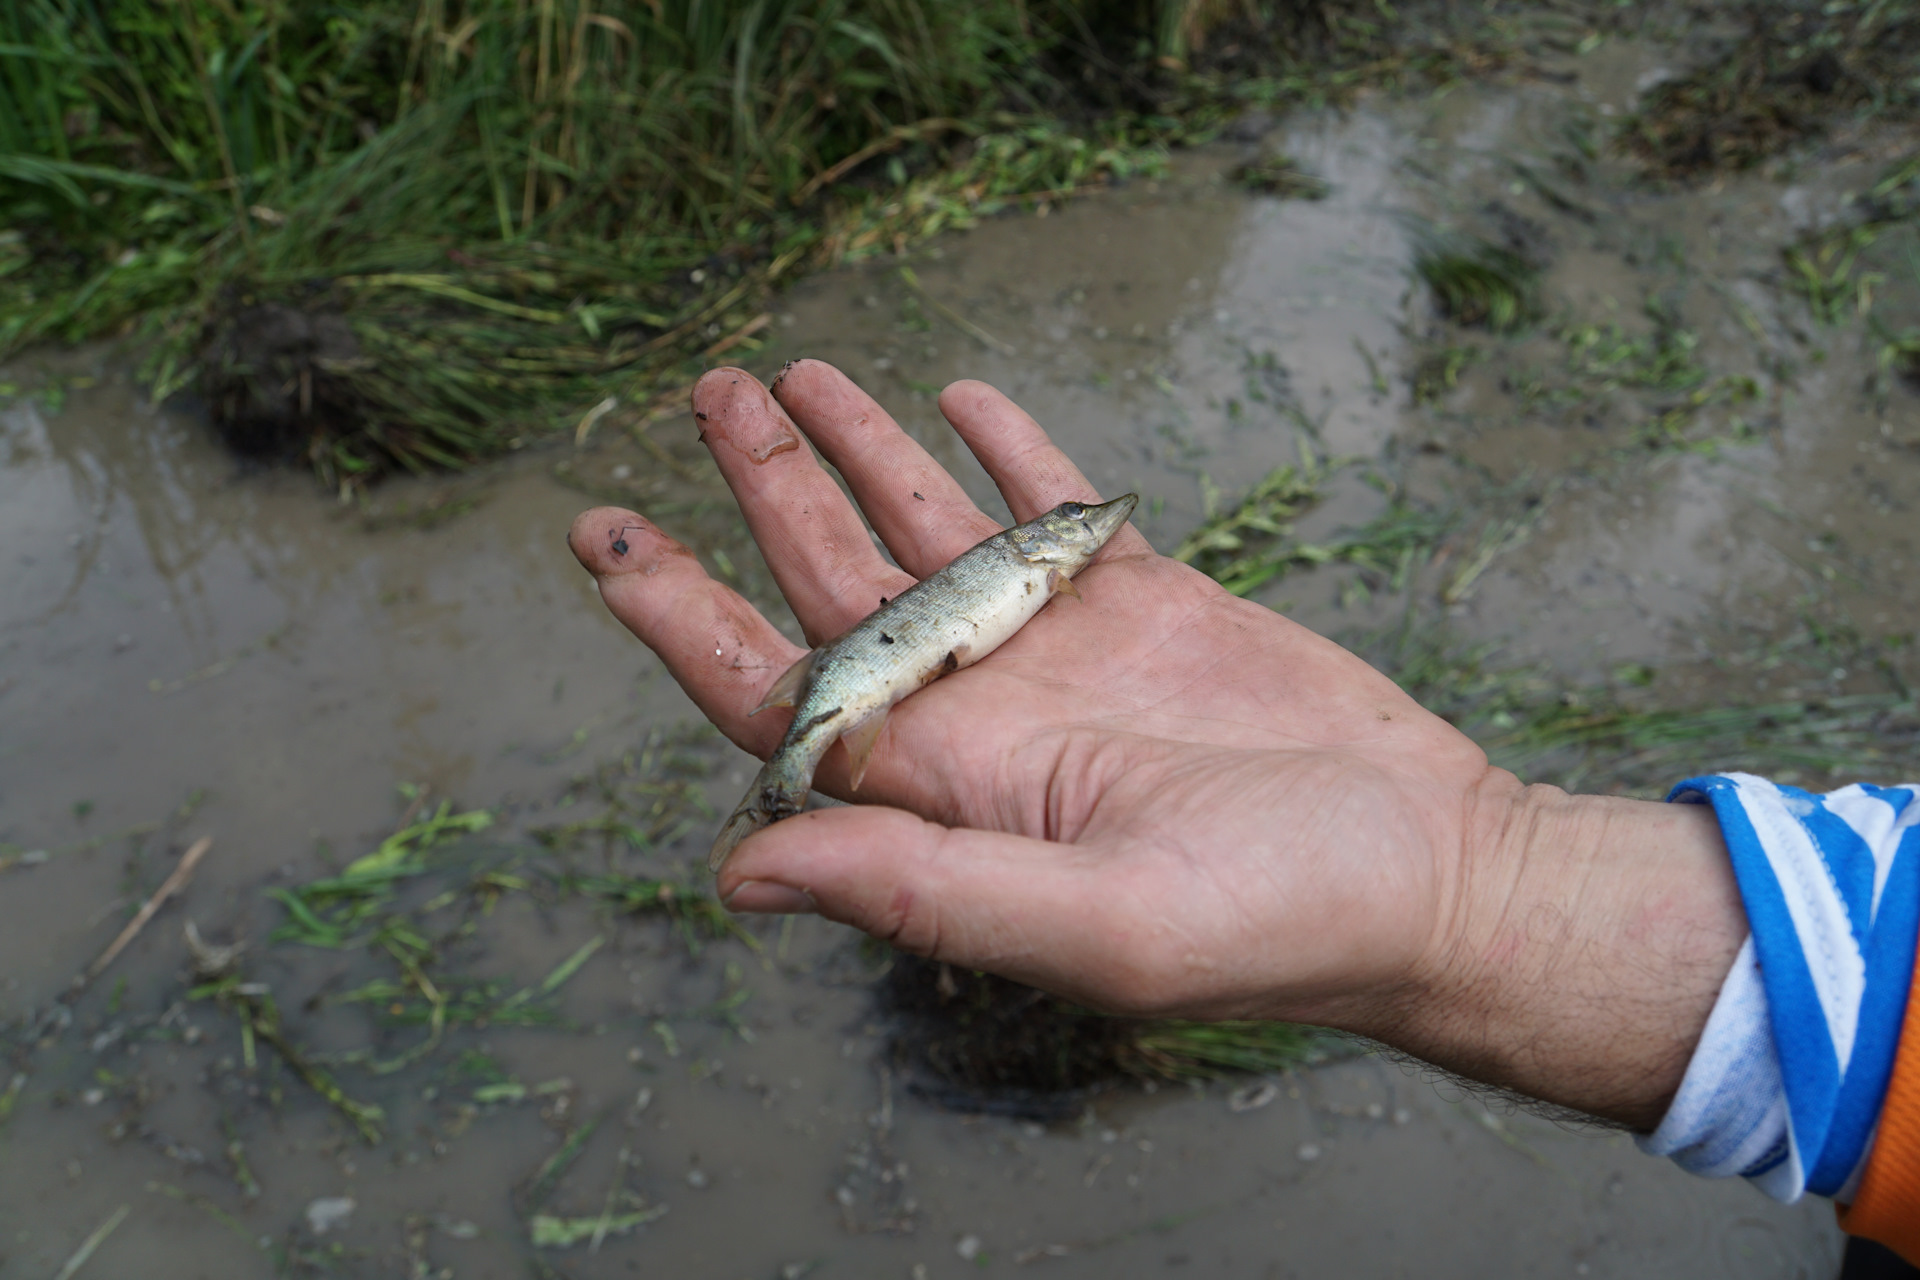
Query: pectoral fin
[791,686]
[1060,584]
[859,742]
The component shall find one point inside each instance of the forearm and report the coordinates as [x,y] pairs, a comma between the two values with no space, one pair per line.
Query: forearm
[1587,940]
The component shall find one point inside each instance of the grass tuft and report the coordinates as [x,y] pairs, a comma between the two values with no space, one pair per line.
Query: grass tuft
[1249,543]
[1281,176]
[1479,284]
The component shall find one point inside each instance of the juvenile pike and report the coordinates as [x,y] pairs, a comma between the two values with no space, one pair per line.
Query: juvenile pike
[952,620]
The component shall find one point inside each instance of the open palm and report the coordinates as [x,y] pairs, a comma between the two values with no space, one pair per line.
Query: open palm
[1160,798]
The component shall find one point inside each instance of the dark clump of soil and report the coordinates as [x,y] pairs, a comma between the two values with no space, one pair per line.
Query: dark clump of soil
[274,378]
[1785,80]
[975,1042]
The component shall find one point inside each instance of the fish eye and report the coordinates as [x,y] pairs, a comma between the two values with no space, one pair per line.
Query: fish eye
[1072,510]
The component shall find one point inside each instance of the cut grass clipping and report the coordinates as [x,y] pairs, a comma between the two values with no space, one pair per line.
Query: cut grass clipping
[1479,284]
[1576,738]
[405,917]
[976,1042]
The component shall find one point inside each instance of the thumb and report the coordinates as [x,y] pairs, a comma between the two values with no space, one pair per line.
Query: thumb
[1032,910]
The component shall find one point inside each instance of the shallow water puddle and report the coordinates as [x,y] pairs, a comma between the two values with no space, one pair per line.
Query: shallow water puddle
[175,633]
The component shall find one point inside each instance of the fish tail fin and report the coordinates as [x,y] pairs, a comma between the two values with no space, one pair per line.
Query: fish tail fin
[768,800]
[746,820]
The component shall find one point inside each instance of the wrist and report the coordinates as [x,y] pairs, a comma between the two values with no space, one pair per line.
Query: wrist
[1584,943]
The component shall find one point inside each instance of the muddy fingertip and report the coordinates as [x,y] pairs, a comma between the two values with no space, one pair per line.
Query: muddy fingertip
[605,539]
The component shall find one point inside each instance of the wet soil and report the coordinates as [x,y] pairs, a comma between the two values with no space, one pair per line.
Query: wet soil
[189,647]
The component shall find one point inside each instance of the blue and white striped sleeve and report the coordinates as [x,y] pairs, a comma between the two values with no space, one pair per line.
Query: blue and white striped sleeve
[1786,1084]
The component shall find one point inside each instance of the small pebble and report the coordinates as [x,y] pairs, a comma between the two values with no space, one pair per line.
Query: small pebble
[622,471]
[1253,1096]
[696,1178]
[94,1097]
[1403,1116]
[968,1248]
[1308,1151]
[1375,1111]
[328,1212]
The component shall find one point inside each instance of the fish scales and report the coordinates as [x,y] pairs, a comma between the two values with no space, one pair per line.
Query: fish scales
[952,619]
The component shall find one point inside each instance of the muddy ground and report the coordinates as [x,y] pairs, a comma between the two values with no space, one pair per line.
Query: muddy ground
[189,648]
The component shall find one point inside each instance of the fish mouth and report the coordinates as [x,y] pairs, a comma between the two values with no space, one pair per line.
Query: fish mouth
[1106,519]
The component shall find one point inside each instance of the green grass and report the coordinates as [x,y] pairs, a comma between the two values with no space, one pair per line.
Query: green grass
[1853,269]
[415,233]
[405,906]
[498,213]
[1604,738]
[1250,542]
[1478,284]
[1174,1049]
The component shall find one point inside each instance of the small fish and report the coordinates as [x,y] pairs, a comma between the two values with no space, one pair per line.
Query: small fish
[952,620]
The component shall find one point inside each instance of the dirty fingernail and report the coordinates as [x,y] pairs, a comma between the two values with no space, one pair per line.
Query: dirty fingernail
[763,897]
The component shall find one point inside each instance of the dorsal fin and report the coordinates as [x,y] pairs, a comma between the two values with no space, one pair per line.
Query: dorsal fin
[859,742]
[791,687]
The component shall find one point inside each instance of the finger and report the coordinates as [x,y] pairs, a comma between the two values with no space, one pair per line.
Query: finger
[723,653]
[919,511]
[1033,474]
[942,893]
[813,540]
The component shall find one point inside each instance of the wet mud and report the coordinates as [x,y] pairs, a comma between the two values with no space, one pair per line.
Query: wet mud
[1676,482]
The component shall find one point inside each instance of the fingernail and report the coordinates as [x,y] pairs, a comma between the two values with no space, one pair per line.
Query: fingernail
[763,897]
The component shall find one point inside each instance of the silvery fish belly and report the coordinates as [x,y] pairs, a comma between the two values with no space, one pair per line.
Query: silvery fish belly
[843,691]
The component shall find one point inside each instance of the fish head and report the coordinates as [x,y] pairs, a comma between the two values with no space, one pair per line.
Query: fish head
[1069,535]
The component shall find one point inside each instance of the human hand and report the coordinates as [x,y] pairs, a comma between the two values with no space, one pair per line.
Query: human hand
[1158,799]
